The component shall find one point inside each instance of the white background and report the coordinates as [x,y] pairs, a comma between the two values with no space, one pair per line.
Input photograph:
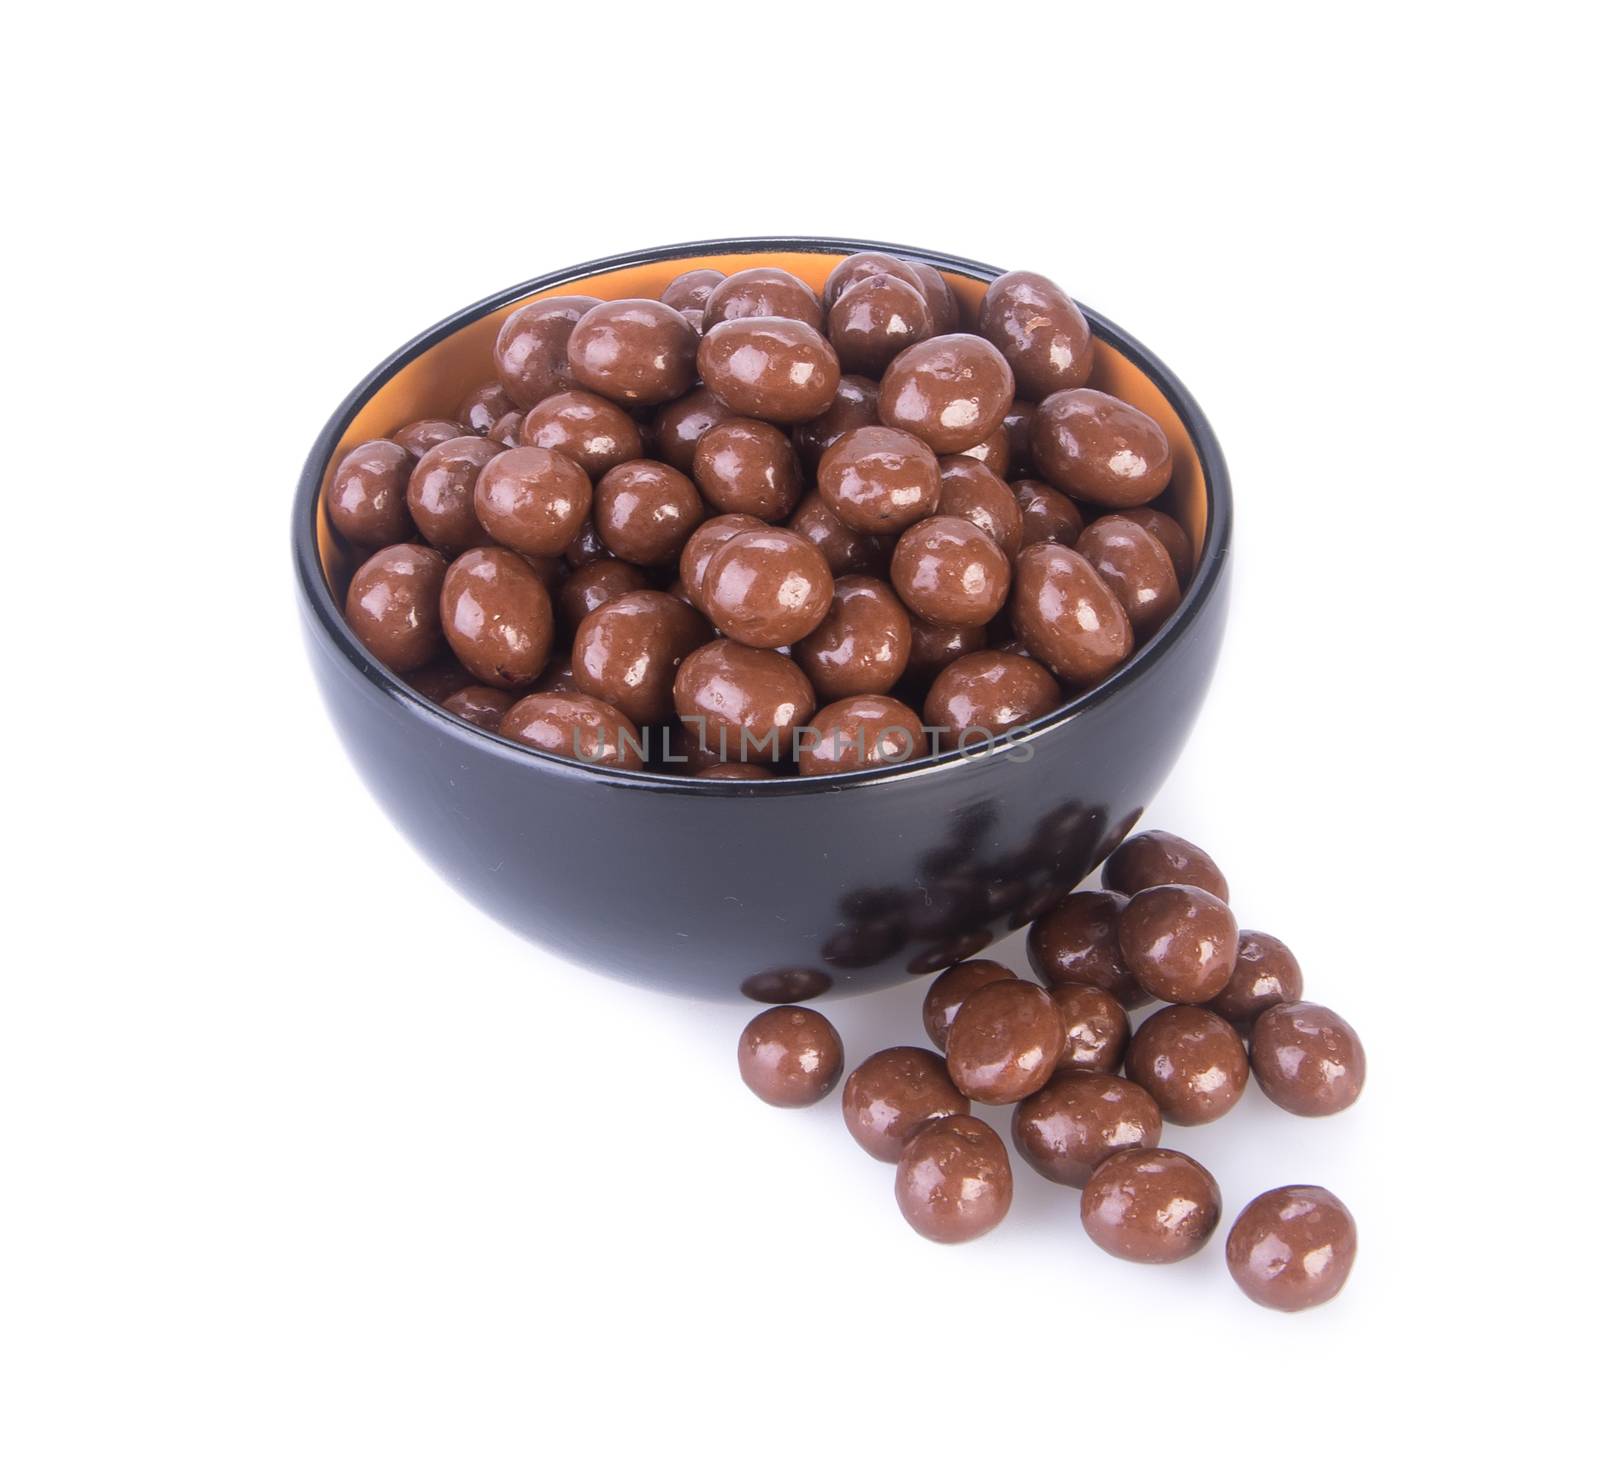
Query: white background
[307,1168]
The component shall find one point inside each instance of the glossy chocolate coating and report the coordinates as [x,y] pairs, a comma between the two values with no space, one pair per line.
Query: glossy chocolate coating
[855,403]
[703,544]
[508,429]
[941,301]
[774,369]
[743,703]
[1307,1059]
[953,1180]
[866,732]
[766,588]
[1151,1205]
[577,727]
[691,289]
[1172,536]
[1077,941]
[1266,974]
[748,467]
[1180,942]
[678,426]
[969,490]
[1094,446]
[483,406]
[1096,1026]
[948,571]
[1041,332]
[1292,1248]
[645,511]
[628,652]
[590,586]
[893,1094]
[439,493]
[393,605]
[422,436]
[1066,615]
[1018,424]
[557,678]
[480,705]
[531,500]
[1078,1119]
[1136,567]
[950,392]
[858,267]
[497,617]
[1190,1062]
[874,319]
[634,351]
[1046,514]
[367,496]
[991,692]
[790,1056]
[1005,1042]
[879,480]
[530,351]
[950,991]
[848,551]
[1150,858]
[993,452]
[762,292]
[934,647]
[587,428]
[862,645]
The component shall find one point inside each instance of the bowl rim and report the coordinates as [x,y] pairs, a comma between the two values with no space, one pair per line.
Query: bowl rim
[318,598]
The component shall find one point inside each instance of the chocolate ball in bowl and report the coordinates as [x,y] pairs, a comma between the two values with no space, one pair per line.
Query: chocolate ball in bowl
[855,403]
[1136,567]
[422,436]
[1041,332]
[497,617]
[691,289]
[589,587]
[743,703]
[677,427]
[969,490]
[1046,514]
[762,292]
[874,319]
[531,500]
[628,652]
[1172,536]
[879,480]
[766,588]
[862,733]
[703,544]
[1092,445]
[439,495]
[634,351]
[393,605]
[947,570]
[941,300]
[530,351]
[859,267]
[478,704]
[848,551]
[773,369]
[748,467]
[645,511]
[990,692]
[863,643]
[575,727]
[367,496]
[589,429]
[483,406]
[949,392]
[1067,616]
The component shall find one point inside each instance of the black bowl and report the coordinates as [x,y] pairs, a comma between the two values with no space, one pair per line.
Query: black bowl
[783,888]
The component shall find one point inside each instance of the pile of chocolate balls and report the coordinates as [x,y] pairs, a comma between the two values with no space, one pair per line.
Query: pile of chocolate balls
[1091,1093]
[746,532]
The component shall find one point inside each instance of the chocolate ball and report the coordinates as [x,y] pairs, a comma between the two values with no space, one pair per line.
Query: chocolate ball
[1092,445]
[1136,567]
[497,617]
[790,1056]
[951,391]
[1005,1042]
[1078,1119]
[1041,332]
[645,512]
[576,727]
[507,430]
[439,493]
[1018,425]
[879,480]
[422,436]
[703,544]
[1180,942]
[1076,942]
[949,993]
[531,500]
[775,369]
[949,571]
[1190,1062]
[1307,1059]
[1096,1026]
[893,1094]
[863,643]
[678,426]
[858,267]
[635,351]
[953,1180]
[477,704]
[1046,514]
[587,428]
[848,551]
[1172,536]
[934,647]
[1150,1205]
[941,301]
[530,351]
[766,588]
[993,452]
[990,693]
[1266,974]
[866,732]
[743,703]
[1150,858]
[969,490]
[748,467]
[874,319]
[393,605]
[367,496]
[1292,1248]
[691,289]
[1067,616]
[855,403]
[483,406]
[628,652]
[762,292]
[591,586]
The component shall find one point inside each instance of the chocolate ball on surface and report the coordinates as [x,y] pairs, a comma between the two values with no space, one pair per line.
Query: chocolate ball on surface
[1180,942]
[691,289]
[1078,1119]
[1265,975]
[1005,1042]
[1066,615]
[1076,942]
[645,512]
[762,292]
[748,467]
[480,705]
[969,490]
[439,493]
[1041,332]
[934,647]
[1190,1062]
[855,403]
[1151,1205]
[848,551]
[893,1094]
[858,267]
[790,1057]
[678,426]
[530,351]
[1172,536]
[1137,568]
[879,480]
[1292,1248]
[743,703]
[953,1179]
[1046,514]
[590,586]
[874,319]
[863,643]
[767,588]
[484,406]
[422,436]
[576,727]
[367,495]
[1150,858]
[774,369]
[393,605]
[587,428]
[866,732]
[941,301]
[703,544]
[990,692]
[628,652]
[1094,446]
[950,392]
[1307,1059]
[1018,425]
[1096,1026]
[949,571]
[635,351]
[949,993]
[497,617]
[531,500]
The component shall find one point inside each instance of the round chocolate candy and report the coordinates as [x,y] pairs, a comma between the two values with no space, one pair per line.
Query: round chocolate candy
[949,571]
[1077,942]
[530,351]
[748,467]
[1096,1026]
[393,605]
[953,1180]
[858,267]
[635,351]
[866,732]
[893,1094]
[989,693]
[1137,568]
[1078,1119]
[1180,942]
[678,426]
[855,403]
[862,645]
[480,705]
[1150,858]
[1046,514]
[934,647]
[1094,446]
[1041,332]
[790,1056]
[576,727]
[1190,1062]
[703,544]
[507,430]
[1266,974]
[367,495]
[941,301]
[1005,1042]
[439,493]
[587,428]
[848,551]
[1018,426]
[775,369]
[422,436]
[1307,1059]
[874,319]
[1292,1248]
[743,703]
[969,490]
[879,480]
[1150,1205]
[531,500]
[497,617]
[691,289]
[1066,615]
[483,406]
[950,991]
[951,391]
[993,452]
[629,650]
[589,587]
[762,292]
[766,588]
[1171,534]
[645,511]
